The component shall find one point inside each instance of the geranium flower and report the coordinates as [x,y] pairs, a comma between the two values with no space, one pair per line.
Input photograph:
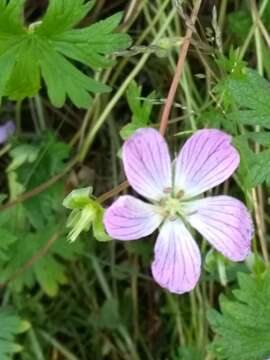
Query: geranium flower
[206,160]
[6,130]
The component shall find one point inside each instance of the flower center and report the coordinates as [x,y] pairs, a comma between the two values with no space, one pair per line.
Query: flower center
[170,207]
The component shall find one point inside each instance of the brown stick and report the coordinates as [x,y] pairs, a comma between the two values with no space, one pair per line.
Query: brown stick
[179,69]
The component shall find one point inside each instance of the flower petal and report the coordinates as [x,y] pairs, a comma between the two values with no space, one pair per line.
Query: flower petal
[129,218]
[6,131]
[225,222]
[177,263]
[206,160]
[147,163]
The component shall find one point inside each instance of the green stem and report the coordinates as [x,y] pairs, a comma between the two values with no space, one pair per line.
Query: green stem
[251,31]
[56,344]
[18,118]
[40,113]
[103,117]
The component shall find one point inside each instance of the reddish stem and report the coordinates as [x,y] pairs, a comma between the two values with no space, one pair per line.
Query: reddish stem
[179,69]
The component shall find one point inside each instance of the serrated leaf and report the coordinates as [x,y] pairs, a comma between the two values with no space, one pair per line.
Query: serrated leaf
[11,16]
[48,269]
[11,325]
[254,168]
[63,15]
[22,154]
[251,93]
[262,138]
[260,169]
[50,274]
[6,239]
[243,324]
[34,164]
[47,48]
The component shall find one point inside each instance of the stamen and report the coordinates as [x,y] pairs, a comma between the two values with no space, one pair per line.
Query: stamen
[179,194]
[167,190]
[162,202]
[192,212]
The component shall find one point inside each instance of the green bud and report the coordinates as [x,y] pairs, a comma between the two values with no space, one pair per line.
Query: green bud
[78,198]
[86,212]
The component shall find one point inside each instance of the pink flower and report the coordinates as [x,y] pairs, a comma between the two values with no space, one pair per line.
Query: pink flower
[206,160]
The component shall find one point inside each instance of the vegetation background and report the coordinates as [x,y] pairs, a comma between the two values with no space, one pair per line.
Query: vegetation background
[97,300]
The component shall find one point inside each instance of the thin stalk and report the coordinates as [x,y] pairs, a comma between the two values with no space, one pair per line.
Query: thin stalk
[222,14]
[257,194]
[35,346]
[179,68]
[260,226]
[18,118]
[251,31]
[57,345]
[178,318]
[40,113]
[108,294]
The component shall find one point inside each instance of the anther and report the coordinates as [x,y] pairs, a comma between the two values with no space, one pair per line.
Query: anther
[179,194]
[167,190]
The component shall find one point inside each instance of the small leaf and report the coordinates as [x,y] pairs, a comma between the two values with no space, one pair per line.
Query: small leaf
[22,154]
[141,110]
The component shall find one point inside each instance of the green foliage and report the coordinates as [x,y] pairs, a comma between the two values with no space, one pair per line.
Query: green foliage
[48,49]
[188,353]
[141,110]
[109,317]
[246,98]
[232,64]
[7,238]
[250,93]
[254,167]
[86,212]
[239,23]
[28,246]
[243,324]
[11,325]
[39,260]
[262,137]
